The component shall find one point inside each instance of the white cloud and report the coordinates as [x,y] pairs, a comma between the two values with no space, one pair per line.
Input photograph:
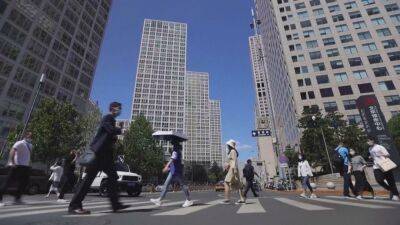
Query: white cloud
[244,147]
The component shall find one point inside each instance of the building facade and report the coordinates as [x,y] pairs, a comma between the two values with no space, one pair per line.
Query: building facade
[124,124]
[217,150]
[338,50]
[58,38]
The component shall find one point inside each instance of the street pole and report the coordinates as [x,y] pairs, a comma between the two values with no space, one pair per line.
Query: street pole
[326,149]
[32,106]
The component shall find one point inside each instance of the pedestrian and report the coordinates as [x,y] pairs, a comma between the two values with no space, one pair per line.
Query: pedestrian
[102,146]
[248,174]
[232,178]
[19,162]
[68,177]
[57,171]
[174,168]
[343,153]
[305,173]
[358,165]
[379,153]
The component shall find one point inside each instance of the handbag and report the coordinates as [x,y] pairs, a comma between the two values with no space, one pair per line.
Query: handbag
[386,164]
[86,158]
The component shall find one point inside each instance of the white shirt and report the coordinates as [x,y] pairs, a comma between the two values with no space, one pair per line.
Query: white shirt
[378,153]
[304,169]
[57,173]
[23,152]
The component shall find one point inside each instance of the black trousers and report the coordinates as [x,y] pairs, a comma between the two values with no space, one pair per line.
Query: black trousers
[20,176]
[100,164]
[380,177]
[250,185]
[347,184]
[362,183]
[67,183]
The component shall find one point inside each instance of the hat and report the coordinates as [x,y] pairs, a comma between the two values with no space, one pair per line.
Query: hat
[231,143]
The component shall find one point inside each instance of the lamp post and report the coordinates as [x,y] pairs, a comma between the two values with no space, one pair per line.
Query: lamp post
[314,118]
[41,81]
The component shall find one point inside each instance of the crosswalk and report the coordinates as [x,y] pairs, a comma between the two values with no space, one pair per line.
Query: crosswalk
[173,208]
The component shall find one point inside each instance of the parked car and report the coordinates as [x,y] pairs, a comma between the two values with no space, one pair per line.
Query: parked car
[38,181]
[220,186]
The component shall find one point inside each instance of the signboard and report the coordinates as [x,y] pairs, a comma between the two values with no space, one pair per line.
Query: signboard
[260,133]
[375,124]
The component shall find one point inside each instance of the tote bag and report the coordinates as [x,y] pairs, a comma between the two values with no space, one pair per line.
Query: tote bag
[386,164]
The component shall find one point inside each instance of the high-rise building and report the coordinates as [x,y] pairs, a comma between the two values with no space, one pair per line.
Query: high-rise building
[124,124]
[59,38]
[197,118]
[336,51]
[217,151]
[281,105]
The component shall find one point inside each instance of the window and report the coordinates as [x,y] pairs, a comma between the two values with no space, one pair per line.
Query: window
[380,72]
[304,69]
[311,95]
[328,41]
[300,82]
[360,74]
[383,32]
[368,2]
[341,77]
[307,81]
[373,59]
[326,92]
[330,106]
[337,18]
[318,12]
[350,50]
[372,11]
[315,55]
[386,85]
[305,24]
[318,67]
[315,2]
[365,88]
[303,15]
[303,95]
[346,38]
[332,52]
[325,31]
[20,20]
[369,47]
[398,29]
[355,61]
[391,7]
[364,35]
[342,28]
[300,58]
[294,58]
[354,119]
[354,15]
[321,21]
[351,5]
[13,33]
[349,104]
[397,69]
[312,44]
[337,64]
[359,25]
[322,79]
[334,8]
[394,56]
[345,90]
[378,21]
[395,18]
[389,44]
[300,5]
[392,100]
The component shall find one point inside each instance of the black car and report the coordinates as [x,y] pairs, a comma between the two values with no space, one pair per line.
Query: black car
[38,181]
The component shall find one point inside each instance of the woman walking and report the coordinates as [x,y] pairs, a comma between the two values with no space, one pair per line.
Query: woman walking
[358,164]
[232,178]
[55,178]
[304,172]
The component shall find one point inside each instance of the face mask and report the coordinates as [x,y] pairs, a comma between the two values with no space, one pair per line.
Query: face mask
[117,113]
[29,140]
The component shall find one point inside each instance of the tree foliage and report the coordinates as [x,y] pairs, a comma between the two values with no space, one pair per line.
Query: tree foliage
[215,173]
[141,151]
[394,129]
[292,155]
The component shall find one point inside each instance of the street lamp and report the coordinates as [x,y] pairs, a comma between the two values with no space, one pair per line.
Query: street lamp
[314,118]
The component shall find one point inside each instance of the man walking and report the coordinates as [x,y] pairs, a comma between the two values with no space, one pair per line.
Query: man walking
[343,154]
[20,157]
[248,173]
[102,146]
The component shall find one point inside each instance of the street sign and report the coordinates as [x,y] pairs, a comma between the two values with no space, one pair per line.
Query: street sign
[260,133]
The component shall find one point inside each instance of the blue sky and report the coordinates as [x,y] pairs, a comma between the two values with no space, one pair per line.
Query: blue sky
[218,32]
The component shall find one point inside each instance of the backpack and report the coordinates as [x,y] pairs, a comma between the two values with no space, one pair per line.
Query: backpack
[248,172]
[337,160]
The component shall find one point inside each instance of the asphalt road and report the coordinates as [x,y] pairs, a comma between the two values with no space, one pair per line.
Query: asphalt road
[272,208]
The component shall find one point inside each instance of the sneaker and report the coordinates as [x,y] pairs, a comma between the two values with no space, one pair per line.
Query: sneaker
[2,204]
[395,198]
[225,202]
[240,202]
[19,202]
[347,197]
[62,201]
[156,201]
[303,195]
[187,203]
[313,196]
[359,197]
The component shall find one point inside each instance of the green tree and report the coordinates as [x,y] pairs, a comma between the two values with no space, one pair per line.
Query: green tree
[57,128]
[90,122]
[142,152]
[394,129]
[215,173]
[355,138]
[292,155]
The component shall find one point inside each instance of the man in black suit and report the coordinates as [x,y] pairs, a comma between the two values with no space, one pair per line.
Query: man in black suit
[102,145]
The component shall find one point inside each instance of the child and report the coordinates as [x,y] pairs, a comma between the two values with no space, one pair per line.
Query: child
[304,172]
[55,178]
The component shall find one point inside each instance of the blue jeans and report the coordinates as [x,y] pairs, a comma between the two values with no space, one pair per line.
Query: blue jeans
[305,182]
[347,184]
[177,178]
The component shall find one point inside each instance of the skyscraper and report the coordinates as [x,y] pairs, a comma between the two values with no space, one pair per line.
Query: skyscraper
[336,51]
[61,39]
[215,132]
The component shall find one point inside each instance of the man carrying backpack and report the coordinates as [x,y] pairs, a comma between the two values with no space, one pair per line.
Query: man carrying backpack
[248,173]
[342,155]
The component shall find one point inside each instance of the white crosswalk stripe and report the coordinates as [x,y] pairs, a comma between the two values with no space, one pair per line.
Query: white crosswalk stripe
[252,206]
[302,205]
[351,203]
[188,210]
[369,200]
